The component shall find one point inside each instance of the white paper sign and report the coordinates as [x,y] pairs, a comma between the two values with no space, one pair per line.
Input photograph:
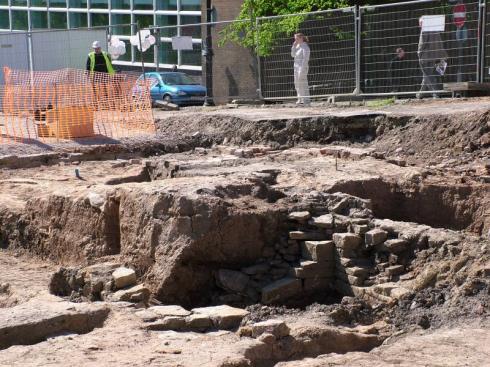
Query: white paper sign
[182,43]
[433,23]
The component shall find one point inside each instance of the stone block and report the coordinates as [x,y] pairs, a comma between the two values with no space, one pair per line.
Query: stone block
[316,284]
[313,269]
[223,317]
[375,237]
[357,271]
[281,289]
[313,236]
[172,310]
[198,322]
[138,293]
[124,277]
[360,229]
[261,268]
[350,279]
[234,281]
[168,323]
[395,270]
[323,221]
[299,216]
[318,250]
[396,246]
[278,328]
[347,241]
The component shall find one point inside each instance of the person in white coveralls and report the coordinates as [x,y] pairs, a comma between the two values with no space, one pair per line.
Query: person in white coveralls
[300,51]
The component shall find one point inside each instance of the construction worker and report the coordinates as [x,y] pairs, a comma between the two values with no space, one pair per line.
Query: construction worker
[99,60]
[300,51]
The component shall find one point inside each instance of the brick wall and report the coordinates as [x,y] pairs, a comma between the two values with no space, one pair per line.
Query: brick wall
[234,68]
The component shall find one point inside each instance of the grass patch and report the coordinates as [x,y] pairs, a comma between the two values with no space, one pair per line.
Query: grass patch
[380,102]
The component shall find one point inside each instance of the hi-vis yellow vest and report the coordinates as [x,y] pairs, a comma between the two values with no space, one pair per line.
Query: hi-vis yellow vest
[108,63]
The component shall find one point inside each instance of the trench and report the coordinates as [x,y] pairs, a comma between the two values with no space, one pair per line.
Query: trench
[457,207]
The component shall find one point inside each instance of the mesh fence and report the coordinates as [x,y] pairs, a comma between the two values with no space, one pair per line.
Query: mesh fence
[332,54]
[401,54]
[70,103]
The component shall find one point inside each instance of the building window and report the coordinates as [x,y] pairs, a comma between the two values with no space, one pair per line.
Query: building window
[191,57]
[4,3]
[166,55]
[144,21]
[57,20]
[121,19]
[190,5]
[4,19]
[19,20]
[82,4]
[167,20]
[99,20]
[57,3]
[148,55]
[167,5]
[120,4]
[99,4]
[39,20]
[78,20]
[194,31]
[18,2]
[40,3]
[143,4]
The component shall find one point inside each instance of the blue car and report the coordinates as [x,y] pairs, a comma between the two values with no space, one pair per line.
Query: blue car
[175,87]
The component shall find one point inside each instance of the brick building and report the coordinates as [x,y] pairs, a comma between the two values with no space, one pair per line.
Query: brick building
[230,71]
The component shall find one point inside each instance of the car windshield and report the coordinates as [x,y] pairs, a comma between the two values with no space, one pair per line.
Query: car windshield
[178,79]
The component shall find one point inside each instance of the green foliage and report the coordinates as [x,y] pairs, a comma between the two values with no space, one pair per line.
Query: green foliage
[377,103]
[263,37]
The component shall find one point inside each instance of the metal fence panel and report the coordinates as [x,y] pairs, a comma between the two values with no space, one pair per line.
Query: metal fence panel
[53,50]
[14,52]
[332,54]
[384,29]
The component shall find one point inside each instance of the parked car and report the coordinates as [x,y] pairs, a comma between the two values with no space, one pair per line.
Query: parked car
[175,87]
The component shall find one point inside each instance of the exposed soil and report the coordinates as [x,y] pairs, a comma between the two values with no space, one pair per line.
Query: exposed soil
[224,206]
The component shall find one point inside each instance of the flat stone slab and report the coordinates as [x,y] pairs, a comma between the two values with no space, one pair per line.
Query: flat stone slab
[281,289]
[223,317]
[35,321]
[172,310]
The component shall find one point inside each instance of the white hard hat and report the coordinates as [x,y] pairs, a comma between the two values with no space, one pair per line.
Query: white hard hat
[96,44]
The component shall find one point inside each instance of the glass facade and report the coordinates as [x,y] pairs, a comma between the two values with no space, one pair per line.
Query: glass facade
[119,14]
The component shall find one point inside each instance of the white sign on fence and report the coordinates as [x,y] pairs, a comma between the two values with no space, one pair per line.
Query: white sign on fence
[182,43]
[433,23]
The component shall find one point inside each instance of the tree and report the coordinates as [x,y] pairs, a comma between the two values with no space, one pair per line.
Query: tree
[245,31]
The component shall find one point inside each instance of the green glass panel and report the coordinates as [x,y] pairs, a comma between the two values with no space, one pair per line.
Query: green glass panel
[143,4]
[99,4]
[190,5]
[121,19]
[78,20]
[147,55]
[166,55]
[120,4]
[78,4]
[57,3]
[18,2]
[39,19]
[41,3]
[166,4]
[193,31]
[57,20]
[144,21]
[167,20]
[99,20]
[4,2]
[19,20]
[192,57]
[4,19]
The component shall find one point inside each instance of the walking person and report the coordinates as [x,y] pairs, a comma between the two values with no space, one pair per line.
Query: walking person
[300,51]
[432,60]
[397,69]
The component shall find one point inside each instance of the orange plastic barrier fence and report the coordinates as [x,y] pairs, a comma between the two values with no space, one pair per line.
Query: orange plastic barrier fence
[69,104]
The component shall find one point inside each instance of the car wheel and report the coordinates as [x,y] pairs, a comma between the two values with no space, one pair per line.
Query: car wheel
[167,98]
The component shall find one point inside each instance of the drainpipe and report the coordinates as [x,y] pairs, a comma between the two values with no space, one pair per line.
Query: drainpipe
[207,52]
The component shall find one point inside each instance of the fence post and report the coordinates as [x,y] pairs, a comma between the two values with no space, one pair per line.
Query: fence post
[157,48]
[141,51]
[257,53]
[480,62]
[357,43]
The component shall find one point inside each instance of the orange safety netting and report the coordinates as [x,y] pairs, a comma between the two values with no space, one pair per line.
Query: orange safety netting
[69,103]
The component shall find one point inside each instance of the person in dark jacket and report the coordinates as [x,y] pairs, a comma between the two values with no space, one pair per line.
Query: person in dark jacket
[431,53]
[397,65]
